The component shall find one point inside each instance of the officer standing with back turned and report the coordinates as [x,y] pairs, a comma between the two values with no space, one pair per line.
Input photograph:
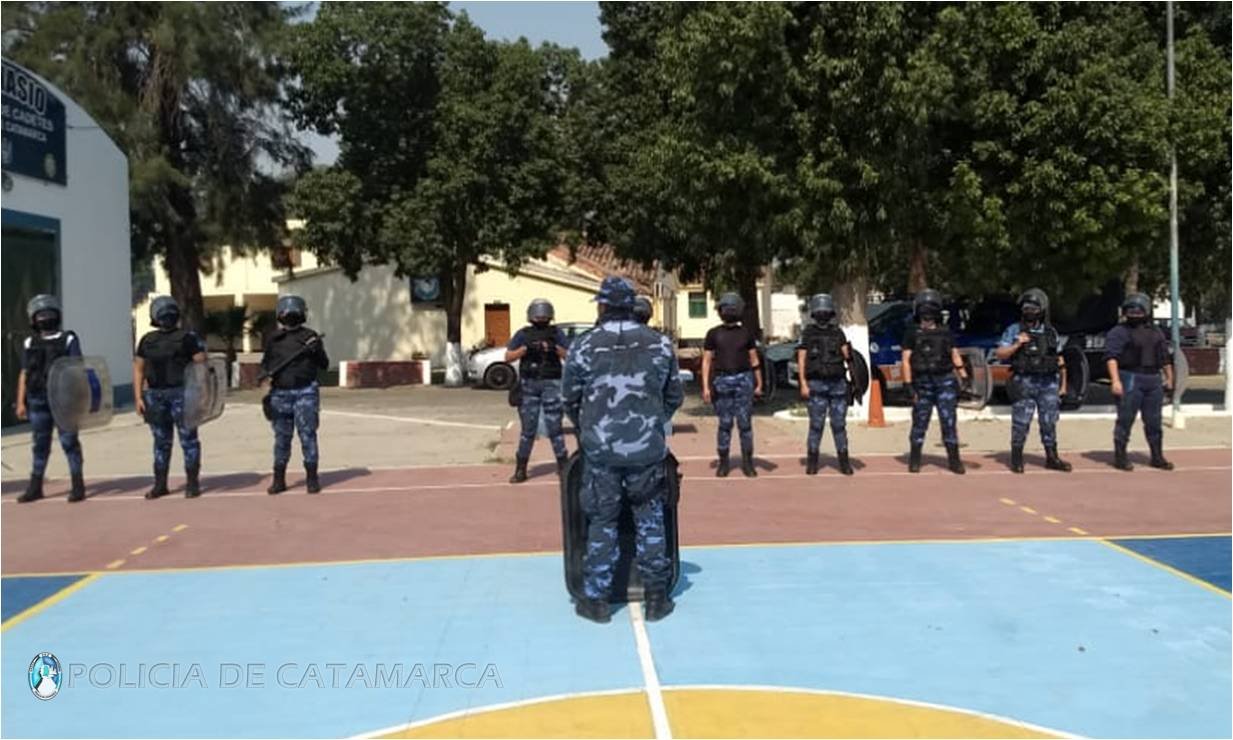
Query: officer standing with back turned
[1039,374]
[1136,353]
[621,387]
[539,349]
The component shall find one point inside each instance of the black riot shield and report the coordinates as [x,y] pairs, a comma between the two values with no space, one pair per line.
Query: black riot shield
[1077,376]
[626,582]
[858,385]
[974,392]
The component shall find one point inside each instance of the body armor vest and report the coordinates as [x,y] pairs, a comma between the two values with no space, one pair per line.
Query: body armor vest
[932,351]
[538,363]
[824,352]
[42,352]
[1139,354]
[1037,356]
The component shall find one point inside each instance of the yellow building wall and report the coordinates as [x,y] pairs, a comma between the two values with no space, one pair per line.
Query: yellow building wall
[570,303]
[696,329]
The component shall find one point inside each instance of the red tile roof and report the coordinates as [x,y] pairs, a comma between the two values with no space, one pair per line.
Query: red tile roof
[602,261]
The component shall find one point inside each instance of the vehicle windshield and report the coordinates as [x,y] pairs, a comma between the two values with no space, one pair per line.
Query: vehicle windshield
[891,322]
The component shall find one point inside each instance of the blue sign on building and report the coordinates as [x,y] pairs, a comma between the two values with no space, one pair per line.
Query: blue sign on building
[33,128]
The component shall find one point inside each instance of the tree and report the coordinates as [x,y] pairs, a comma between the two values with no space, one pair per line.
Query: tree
[191,93]
[449,146]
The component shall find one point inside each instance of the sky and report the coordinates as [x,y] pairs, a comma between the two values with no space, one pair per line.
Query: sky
[565,23]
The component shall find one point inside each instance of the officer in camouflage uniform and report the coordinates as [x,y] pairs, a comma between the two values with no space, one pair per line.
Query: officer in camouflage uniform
[539,349]
[732,379]
[44,346]
[643,310]
[1032,346]
[930,363]
[293,355]
[1136,353]
[822,359]
[158,383]
[621,387]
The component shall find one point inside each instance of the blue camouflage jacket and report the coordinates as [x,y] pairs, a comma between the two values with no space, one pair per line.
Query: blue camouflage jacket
[620,385]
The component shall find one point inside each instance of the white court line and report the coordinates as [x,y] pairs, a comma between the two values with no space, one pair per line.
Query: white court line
[408,419]
[654,694]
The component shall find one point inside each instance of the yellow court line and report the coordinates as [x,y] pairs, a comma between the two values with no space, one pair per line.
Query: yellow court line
[55,598]
[1053,520]
[1028,509]
[1007,501]
[1076,530]
[161,538]
[179,528]
[1165,567]
[138,550]
[541,553]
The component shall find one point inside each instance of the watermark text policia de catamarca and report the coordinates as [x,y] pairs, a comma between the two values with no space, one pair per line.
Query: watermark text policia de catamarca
[290,675]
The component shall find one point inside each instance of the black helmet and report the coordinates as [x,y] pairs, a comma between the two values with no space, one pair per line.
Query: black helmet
[42,302]
[643,309]
[821,303]
[730,306]
[291,310]
[1035,297]
[927,298]
[162,307]
[1139,301]
[540,309]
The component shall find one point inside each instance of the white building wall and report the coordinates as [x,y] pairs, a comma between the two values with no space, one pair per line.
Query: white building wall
[95,277]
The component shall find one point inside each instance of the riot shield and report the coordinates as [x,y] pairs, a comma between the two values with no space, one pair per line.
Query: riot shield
[79,393]
[205,391]
[626,581]
[974,392]
[1077,376]
[858,386]
[1181,374]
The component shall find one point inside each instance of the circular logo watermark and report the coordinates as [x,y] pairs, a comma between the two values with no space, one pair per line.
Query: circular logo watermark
[45,676]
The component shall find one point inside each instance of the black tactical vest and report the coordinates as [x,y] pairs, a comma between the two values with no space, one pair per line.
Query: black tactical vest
[1140,353]
[932,351]
[538,363]
[823,352]
[39,355]
[1037,356]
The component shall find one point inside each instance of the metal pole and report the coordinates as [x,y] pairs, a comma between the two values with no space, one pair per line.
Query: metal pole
[1173,268]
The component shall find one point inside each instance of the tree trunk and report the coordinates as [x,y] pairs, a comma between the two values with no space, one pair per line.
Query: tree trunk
[850,296]
[453,291]
[747,286]
[918,276]
[1130,283]
[183,269]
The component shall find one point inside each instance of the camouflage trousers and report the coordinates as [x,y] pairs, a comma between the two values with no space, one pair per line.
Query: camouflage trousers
[41,424]
[732,396]
[942,392]
[540,397]
[1039,393]
[1141,394]
[604,489]
[295,410]
[165,415]
[828,397]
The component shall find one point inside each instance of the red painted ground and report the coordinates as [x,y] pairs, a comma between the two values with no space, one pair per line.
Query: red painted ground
[473,510]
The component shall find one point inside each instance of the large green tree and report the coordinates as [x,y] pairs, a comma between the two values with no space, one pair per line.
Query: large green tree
[450,145]
[192,93]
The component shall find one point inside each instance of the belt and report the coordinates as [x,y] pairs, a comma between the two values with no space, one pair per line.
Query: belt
[722,373]
[164,387]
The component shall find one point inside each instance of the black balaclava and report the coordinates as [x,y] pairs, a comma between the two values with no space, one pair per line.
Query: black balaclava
[46,322]
[168,320]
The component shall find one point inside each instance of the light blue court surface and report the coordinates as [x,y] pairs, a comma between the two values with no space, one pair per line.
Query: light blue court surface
[1070,635]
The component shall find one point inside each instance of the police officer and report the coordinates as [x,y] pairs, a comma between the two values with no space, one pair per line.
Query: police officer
[539,349]
[293,356]
[47,344]
[731,380]
[930,363]
[822,359]
[158,379]
[1039,376]
[643,310]
[621,387]
[1136,353]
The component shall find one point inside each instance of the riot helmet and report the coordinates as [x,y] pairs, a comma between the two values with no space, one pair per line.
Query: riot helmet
[291,310]
[643,309]
[731,307]
[822,308]
[927,305]
[43,310]
[165,313]
[1137,308]
[1034,305]
[540,311]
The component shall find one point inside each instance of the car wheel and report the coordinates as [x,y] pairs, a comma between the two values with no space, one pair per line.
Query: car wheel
[500,376]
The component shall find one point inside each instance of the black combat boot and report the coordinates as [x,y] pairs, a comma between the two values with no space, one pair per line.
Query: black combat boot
[952,460]
[658,604]
[520,471]
[34,490]
[1158,458]
[914,459]
[279,484]
[721,470]
[1054,462]
[311,481]
[78,491]
[192,489]
[160,484]
[561,462]
[1016,459]
[811,463]
[594,610]
[1120,461]
[845,465]
[747,465]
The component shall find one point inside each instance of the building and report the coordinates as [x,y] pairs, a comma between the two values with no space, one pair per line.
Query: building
[696,314]
[65,227]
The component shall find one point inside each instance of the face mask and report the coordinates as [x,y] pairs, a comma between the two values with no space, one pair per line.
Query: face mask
[47,323]
[168,321]
[1136,319]
[730,315]
[930,314]
[824,317]
[291,319]
[1031,314]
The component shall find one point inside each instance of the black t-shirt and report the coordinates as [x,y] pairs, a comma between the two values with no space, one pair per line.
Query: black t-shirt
[731,344]
[284,344]
[167,353]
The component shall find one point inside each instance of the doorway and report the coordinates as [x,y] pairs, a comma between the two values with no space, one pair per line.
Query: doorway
[496,324]
[29,265]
